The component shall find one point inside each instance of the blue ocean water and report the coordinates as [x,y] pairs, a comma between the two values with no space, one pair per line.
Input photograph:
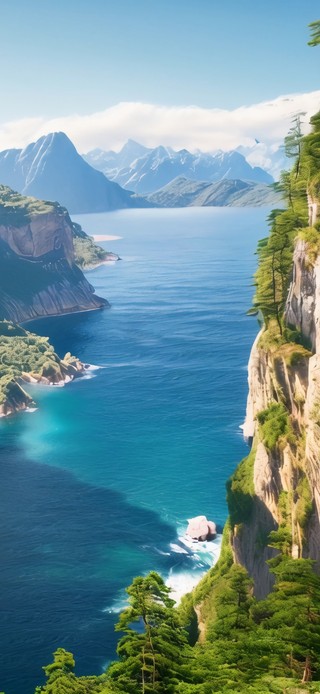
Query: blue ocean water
[98,483]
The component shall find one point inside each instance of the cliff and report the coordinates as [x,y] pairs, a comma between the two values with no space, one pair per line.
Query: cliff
[38,272]
[283,491]
[283,408]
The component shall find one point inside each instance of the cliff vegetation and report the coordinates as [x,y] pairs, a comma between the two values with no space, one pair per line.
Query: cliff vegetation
[27,357]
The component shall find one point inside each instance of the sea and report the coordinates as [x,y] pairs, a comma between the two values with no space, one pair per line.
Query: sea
[98,482]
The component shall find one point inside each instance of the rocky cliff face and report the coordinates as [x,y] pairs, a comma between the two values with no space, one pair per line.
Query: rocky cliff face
[38,274]
[303,305]
[286,478]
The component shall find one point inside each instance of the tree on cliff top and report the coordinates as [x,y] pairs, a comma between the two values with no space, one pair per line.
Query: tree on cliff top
[153,656]
[315,33]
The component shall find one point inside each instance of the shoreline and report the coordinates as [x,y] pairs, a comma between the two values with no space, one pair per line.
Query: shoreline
[114,258]
[29,405]
[67,313]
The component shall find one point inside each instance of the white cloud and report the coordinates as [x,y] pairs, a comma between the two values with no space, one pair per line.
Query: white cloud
[178,126]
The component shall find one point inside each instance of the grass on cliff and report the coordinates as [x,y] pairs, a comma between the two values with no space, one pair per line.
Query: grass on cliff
[240,491]
[87,252]
[311,236]
[282,343]
[275,426]
[17,210]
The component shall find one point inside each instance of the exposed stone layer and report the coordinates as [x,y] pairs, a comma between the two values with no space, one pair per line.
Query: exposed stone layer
[38,275]
[273,375]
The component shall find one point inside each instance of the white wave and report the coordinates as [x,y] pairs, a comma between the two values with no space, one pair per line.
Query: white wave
[198,557]
[93,367]
[182,583]
[120,364]
[31,409]
[202,555]
[208,547]
[118,605]
[177,549]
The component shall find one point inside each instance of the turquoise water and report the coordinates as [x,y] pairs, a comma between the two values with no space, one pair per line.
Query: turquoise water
[98,483]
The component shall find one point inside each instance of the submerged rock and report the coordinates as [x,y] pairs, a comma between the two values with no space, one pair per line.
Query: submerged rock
[199,528]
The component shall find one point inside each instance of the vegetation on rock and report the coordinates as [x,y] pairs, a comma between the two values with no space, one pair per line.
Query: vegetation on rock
[274,425]
[26,356]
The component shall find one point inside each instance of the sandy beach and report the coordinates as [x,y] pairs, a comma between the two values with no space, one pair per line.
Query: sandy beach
[105,237]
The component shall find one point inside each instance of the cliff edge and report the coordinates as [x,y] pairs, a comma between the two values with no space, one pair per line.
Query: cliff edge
[283,407]
[38,273]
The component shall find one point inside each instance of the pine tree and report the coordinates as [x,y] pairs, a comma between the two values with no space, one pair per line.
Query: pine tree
[153,655]
[315,33]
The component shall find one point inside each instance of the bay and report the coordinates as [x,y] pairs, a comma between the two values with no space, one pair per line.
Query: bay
[98,483]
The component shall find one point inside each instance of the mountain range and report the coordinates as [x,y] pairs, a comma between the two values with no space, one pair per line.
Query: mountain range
[145,170]
[181,192]
[52,169]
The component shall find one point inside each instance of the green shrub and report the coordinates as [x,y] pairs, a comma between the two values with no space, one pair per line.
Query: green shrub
[240,491]
[274,425]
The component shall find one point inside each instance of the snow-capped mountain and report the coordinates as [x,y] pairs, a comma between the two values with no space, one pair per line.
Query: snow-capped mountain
[151,169]
[52,169]
[270,157]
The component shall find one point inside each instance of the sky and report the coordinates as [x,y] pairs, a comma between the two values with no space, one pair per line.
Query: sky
[195,73]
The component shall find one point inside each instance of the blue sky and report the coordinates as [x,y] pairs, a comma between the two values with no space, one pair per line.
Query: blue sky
[67,57]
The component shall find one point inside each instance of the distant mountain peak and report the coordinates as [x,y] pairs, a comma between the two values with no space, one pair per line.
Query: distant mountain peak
[144,170]
[52,169]
[53,141]
[133,143]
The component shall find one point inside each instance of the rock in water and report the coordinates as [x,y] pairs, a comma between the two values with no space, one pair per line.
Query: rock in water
[199,528]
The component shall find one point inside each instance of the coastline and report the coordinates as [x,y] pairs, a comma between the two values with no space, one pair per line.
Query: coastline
[111,260]
[66,313]
[27,404]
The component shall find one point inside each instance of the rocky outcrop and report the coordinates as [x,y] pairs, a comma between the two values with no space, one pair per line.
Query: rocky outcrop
[199,528]
[38,274]
[17,399]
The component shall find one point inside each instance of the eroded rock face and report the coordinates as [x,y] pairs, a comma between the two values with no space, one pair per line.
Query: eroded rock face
[38,275]
[45,234]
[199,528]
[272,376]
[303,303]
